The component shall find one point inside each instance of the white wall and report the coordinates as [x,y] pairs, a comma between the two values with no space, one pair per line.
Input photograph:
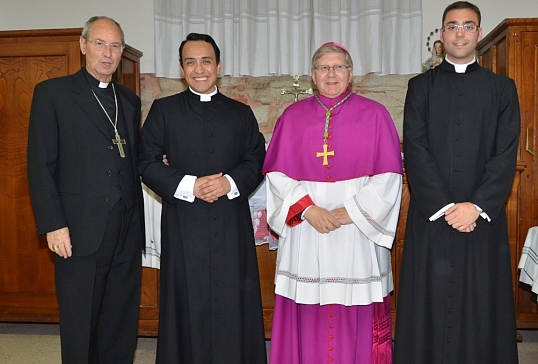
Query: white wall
[136,17]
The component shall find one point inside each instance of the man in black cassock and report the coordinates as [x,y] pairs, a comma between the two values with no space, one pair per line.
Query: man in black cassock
[210,307]
[461,130]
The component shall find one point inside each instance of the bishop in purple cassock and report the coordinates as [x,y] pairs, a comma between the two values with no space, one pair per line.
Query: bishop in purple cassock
[334,177]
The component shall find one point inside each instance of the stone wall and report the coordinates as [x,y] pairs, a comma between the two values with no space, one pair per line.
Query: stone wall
[264,97]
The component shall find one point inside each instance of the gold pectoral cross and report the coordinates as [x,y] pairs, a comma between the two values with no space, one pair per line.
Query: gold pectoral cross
[118,141]
[325,154]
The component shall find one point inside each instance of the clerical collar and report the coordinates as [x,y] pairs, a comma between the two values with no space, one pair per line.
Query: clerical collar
[460,68]
[204,97]
[94,81]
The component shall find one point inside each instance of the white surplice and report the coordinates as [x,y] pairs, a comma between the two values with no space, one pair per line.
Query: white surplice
[348,266]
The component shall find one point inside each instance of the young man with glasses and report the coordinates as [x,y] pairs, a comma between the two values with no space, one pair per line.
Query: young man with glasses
[461,131]
[87,198]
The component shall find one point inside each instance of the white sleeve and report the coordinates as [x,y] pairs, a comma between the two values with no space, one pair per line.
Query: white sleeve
[282,193]
[376,206]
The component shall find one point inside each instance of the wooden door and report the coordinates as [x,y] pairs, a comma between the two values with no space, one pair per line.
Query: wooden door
[26,265]
[527,63]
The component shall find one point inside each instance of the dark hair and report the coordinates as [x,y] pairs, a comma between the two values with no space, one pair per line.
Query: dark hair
[462,5]
[87,27]
[195,37]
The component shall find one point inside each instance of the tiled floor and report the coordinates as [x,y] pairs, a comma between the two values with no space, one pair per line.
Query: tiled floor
[40,344]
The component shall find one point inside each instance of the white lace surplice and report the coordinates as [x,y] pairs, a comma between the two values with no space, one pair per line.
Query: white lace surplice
[348,266]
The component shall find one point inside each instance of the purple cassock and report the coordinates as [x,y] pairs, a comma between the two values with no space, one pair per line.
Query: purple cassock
[361,135]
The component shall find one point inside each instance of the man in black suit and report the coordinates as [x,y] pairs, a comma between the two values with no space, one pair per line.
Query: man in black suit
[87,198]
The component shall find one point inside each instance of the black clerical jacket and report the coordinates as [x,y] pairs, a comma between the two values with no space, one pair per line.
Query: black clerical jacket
[71,156]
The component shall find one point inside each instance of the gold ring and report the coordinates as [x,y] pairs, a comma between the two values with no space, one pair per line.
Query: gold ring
[54,247]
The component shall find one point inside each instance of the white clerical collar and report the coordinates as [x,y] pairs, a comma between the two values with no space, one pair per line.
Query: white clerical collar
[103,84]
[460,68]
[204,97]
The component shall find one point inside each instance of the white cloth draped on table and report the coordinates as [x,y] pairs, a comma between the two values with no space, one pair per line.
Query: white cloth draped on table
[151,257]
[529,260]
[152,210]
[278,37]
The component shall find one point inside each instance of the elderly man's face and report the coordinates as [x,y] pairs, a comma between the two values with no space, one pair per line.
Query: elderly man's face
[334,82]
[102,64]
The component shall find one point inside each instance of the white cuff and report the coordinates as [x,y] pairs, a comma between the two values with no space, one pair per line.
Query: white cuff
[234,192]
[304,212]
[441,212]
[482,213]
[185,189]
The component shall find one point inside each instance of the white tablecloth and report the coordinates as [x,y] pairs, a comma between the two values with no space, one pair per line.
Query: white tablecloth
[529,260]
[152,210]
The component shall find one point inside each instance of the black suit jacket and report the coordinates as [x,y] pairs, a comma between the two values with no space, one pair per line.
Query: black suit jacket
[70,154]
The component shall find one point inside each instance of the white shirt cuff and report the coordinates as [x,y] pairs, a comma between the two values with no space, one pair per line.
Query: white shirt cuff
[185,189]
[234,192]
[441,212]
[482,213]
[304,212]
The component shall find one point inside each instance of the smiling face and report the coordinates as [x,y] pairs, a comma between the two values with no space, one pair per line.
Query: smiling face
[101,64]
[200,67]
[460,46]
[333,83]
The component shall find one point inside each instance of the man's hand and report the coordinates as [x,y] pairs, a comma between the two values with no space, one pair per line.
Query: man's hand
[59,242]
[210,188]
[342,216]
[321,219]
[462,217]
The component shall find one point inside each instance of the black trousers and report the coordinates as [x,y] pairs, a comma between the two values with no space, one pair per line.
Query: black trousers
[99,295]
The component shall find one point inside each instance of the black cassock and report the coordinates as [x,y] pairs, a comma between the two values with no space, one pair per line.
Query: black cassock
[210,307]
[455,301]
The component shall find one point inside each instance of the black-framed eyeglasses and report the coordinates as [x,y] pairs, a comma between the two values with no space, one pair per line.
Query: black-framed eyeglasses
[100,45]
[467,28]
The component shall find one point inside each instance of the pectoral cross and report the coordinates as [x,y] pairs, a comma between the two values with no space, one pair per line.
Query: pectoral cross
[118,141]
[296,90]
[325,155]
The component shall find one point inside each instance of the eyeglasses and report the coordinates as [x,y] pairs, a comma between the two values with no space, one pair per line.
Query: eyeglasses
[338,68]
[467,28]
[100,45]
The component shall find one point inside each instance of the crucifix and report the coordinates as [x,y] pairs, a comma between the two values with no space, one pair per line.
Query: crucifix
[296,90]
[118,141]
[325,154]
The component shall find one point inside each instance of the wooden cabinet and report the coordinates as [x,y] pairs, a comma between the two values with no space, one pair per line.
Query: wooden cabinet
[27,291]
[511,49]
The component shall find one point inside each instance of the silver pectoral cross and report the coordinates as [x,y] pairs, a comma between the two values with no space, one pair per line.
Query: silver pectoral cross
[118,141]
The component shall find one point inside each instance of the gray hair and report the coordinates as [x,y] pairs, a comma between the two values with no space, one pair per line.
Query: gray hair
[86,30]
[329,48]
